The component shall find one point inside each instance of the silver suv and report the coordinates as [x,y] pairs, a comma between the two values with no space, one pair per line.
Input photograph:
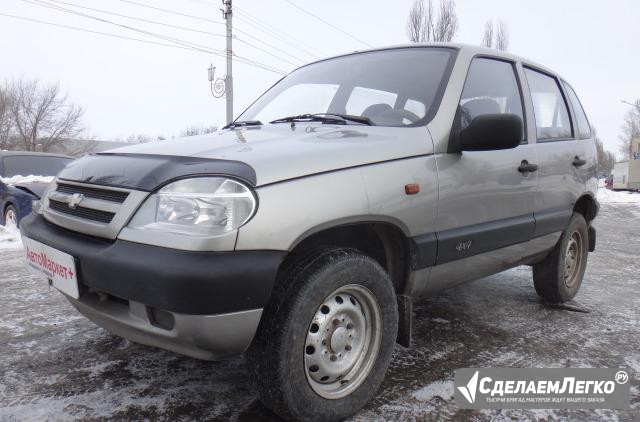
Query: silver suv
[302,232]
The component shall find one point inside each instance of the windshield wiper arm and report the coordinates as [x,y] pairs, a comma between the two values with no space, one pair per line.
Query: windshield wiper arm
[307,118]
[351,118]
[243,123]
[325,118]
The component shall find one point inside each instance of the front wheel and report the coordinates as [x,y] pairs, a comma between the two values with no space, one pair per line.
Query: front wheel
[326,338]
[559,276]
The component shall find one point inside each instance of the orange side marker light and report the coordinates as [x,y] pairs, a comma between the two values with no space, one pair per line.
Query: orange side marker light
[412,188]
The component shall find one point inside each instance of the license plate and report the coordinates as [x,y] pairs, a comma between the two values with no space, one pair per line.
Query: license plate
[56,266]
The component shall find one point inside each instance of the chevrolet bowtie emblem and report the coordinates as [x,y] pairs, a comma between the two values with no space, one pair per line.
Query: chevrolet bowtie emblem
[75,200]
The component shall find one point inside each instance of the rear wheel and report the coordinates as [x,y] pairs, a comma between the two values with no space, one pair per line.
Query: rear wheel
[326,338]
[11,217]
[559,276]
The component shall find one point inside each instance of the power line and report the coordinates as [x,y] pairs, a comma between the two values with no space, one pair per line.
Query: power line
[217,52]
[184,28]
[328,23]
[277,33]
[172,11]
[270,30]
[151,34]
[246,34]
[75,28]
[208,20]
[265,51]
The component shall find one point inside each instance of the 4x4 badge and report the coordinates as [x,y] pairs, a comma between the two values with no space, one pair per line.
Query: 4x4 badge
[464,246]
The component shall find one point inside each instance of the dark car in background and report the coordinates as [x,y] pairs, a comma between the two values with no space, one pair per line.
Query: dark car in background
[23,178]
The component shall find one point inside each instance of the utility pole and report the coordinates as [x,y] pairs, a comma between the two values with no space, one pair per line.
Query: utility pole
[227,14]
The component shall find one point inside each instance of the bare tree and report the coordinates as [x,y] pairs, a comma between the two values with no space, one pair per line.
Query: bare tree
[630,129]
[6,123]
[447,23]
[198,130]
[42,116]
[502,37]
[138,139]
[606,159]
[487,38]
[499,40]
[415,26]
[424,26]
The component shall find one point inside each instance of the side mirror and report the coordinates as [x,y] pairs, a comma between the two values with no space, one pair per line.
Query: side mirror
[491,132]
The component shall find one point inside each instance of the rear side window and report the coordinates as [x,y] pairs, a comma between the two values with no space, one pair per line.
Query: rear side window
[584,128]
[552,115]
[491,88]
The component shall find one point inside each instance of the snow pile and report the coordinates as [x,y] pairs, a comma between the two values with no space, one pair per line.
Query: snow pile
[10,238]
[607,196]
[26,179]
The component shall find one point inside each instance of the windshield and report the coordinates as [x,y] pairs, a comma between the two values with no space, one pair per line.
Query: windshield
[26,165]
[397,87]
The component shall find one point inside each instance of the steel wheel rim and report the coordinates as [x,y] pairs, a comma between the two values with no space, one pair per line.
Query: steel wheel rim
[573,259]
[342,341]
[11,219]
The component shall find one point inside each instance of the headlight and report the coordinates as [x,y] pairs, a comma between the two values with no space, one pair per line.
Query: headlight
[204,206]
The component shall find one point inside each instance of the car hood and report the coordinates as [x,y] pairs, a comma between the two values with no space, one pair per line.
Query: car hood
[281,152]
[36,189]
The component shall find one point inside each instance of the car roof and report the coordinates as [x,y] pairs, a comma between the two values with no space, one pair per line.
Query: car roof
[31,153]
[467,48]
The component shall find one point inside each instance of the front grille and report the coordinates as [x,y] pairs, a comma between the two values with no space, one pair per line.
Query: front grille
[82,212]
[99,210]
[95,193]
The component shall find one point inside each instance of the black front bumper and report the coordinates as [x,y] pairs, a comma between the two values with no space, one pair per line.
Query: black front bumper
[187,282]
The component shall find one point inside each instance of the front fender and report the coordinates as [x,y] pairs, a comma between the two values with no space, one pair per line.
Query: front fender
[288,210]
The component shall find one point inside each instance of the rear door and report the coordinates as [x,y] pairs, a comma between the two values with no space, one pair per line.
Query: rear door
[565,149]
[485,202]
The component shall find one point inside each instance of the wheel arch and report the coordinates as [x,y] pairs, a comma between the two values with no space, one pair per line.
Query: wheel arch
[384,241]
[588,206]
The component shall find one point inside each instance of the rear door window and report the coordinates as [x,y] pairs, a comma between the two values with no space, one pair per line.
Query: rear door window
[584,128]
[552,114]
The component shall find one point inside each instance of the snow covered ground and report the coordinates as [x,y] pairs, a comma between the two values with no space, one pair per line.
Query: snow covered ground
[57,365]
[9,238]
[618,197]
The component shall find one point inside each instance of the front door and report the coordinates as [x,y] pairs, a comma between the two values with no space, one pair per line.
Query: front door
[485,199]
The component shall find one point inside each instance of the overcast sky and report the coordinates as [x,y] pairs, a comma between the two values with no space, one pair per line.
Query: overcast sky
[129,87]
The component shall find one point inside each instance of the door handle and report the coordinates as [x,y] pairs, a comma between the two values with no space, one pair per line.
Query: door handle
[578,162]
[526,167]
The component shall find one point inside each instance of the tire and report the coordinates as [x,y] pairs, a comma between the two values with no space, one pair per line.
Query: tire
[10,217]
[559,276]
[345,298]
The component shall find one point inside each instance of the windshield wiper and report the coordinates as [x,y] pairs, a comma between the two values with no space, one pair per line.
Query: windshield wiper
[243,123]
[325,118]
[351,118]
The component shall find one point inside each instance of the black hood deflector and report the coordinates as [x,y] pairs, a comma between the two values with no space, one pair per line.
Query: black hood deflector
[147,172]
